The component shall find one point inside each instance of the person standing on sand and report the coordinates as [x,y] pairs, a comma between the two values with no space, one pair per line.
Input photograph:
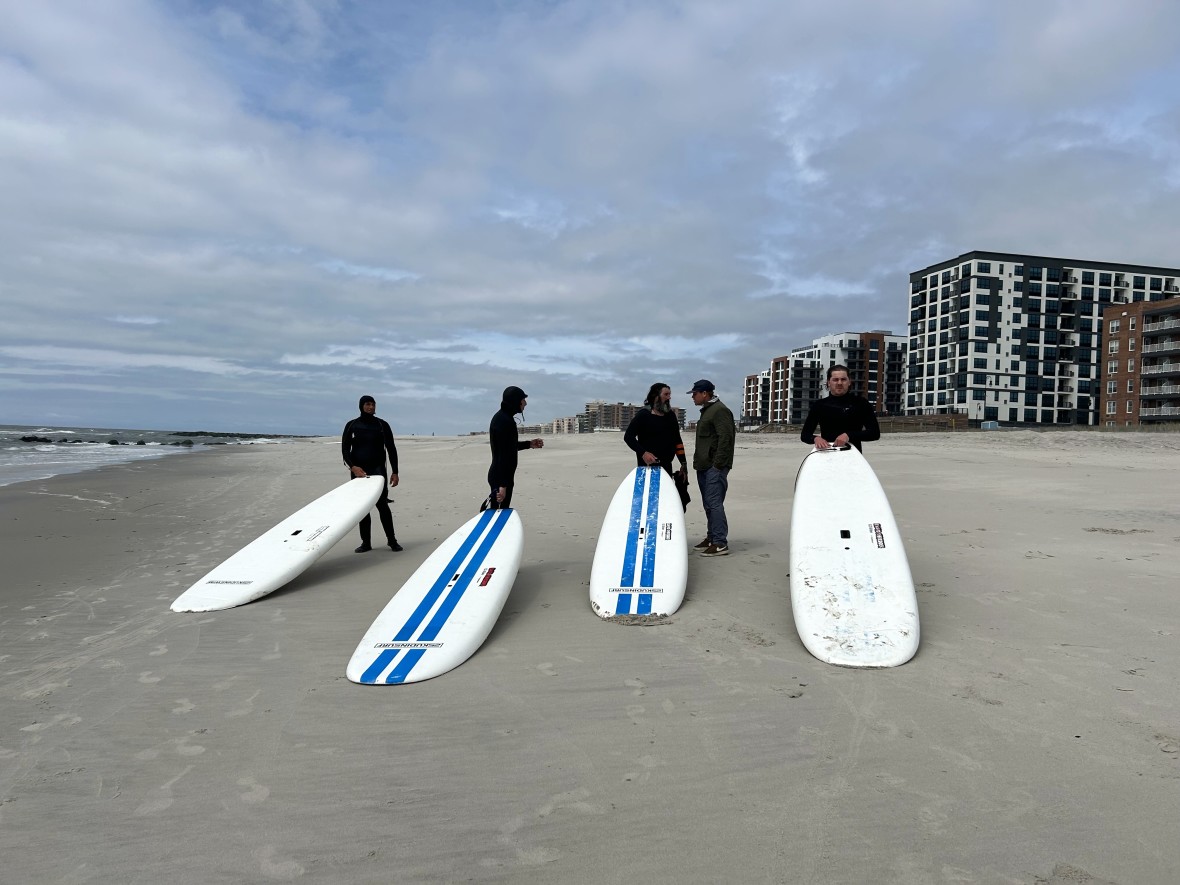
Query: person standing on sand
[505,443]
[844,418]
[364,444]
[654,436]
[713,459]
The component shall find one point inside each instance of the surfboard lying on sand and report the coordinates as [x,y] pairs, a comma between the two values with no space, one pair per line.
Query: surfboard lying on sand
[851,590]
[641,562]
[447,608]
[275,557]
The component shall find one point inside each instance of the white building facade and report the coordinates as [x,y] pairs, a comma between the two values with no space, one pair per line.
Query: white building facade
[1000,336]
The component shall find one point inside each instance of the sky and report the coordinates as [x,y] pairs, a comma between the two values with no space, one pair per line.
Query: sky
[243,216]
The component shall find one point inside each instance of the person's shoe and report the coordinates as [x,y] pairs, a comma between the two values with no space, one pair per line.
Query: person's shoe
[708,542]
[395,546]
[714,550]
[364,548]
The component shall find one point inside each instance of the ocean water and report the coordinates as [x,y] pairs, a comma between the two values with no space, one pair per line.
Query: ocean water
[76,449]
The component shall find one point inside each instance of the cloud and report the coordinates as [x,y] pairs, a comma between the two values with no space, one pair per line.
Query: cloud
[259,209]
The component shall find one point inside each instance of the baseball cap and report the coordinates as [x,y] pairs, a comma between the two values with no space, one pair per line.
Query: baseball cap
[703,385]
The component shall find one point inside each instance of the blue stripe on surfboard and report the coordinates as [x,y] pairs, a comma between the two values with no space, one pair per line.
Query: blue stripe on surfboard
[628,577]
[379,664]
[644,604]
[648,573]
[386,657]
[623,604]
[444,578]
[432,629]
[402,670]
[448,606]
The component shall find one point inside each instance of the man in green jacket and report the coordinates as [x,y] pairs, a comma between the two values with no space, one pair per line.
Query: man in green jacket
[712,460]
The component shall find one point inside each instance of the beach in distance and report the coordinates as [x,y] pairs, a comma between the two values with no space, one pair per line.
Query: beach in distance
[1034,738]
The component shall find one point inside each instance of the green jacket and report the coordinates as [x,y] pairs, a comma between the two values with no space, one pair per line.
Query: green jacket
[715,437]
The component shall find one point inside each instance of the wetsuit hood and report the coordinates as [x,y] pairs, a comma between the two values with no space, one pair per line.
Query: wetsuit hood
[511,400]
[365,399]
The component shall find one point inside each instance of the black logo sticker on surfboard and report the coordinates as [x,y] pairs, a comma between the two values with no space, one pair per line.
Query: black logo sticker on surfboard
[878,535]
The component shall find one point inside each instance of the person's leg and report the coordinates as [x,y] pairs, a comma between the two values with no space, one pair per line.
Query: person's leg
[701,483]
[716,485]
[386,516]
[366,529]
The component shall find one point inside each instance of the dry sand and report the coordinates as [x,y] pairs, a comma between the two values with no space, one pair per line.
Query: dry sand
[1035,738]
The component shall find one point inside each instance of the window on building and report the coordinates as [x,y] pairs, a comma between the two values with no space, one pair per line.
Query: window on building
[1112,346]
[1105,279]
[1088,277]
[1131,323]
[1140,282]
[1130,406]
[1112,366]
[1112,407]
[1131,343]
[1130,385]
[1131,364]
[1157,284]
[1112,388]
[984,266]
[1112,326]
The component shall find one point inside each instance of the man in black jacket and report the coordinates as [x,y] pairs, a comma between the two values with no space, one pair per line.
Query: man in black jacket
[844,418]
[505,445]
[364,444]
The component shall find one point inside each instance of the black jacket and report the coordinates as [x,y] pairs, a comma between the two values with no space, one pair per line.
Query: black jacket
[502,436]
[851,414]
[655,433]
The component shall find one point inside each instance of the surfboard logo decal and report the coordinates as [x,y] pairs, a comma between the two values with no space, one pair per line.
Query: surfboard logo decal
[878,534]
[449,578]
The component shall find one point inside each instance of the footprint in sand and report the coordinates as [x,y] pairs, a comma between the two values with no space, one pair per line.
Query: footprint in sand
[637,684]
[547,668]
[158,650]
[184,705]
[147,678]
[257,793]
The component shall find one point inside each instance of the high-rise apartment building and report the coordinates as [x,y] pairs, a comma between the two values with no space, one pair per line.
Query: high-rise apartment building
[876,366]
[1011,337]
[756,400]
[1141,365]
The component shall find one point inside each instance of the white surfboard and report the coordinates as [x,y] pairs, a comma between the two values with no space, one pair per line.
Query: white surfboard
[851,590]
[447,608]
[281,554]
[641,562]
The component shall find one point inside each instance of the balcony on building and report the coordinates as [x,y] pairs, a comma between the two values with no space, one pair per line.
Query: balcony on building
[1168,345]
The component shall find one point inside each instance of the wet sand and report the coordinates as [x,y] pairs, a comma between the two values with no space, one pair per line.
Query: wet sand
[1035,737]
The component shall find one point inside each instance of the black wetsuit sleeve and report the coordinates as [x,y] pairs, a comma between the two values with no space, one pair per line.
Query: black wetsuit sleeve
[390,445]
[346,445]
[631,436]
[869,429]
[808,432]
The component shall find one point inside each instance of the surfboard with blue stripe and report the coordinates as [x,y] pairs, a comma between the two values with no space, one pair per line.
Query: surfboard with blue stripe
[447,608]
[640,564]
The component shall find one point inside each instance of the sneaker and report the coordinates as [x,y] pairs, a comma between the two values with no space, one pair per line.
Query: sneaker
[395,546]
[714,550]
[708,542]
[364,548]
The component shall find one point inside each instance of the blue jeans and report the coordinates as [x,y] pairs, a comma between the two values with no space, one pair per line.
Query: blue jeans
[714,483]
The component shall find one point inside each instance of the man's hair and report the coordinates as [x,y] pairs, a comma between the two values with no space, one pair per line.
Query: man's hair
[653,393]
[838,368]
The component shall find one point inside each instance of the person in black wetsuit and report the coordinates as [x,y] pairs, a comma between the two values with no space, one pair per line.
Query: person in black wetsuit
[844,418]
[365,442]
[505,445]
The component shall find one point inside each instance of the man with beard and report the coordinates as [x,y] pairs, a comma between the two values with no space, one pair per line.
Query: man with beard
[502,436]
[654,436]
[365,442]
[844,418]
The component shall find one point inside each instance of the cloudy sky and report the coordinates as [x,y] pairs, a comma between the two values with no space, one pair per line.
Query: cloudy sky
[243,216]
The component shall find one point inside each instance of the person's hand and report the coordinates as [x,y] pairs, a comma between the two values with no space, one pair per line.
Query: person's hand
[842,440]
[393,480]
[358,472]
[536,443]
[821,443]
[500,493]
[649,459]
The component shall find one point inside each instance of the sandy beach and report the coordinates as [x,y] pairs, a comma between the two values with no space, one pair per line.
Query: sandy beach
[1035,737]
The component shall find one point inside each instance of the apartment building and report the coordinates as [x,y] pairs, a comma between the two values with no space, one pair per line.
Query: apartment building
[876,365]
[1014,337]
[1141,377]
[600,415]
[756,400]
